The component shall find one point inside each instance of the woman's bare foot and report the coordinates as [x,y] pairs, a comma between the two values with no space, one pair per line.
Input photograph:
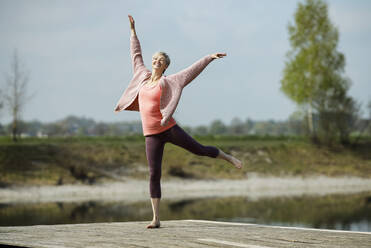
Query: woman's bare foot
[154,224]
[237,163]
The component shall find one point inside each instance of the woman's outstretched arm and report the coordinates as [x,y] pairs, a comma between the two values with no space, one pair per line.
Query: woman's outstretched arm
[135,49]
[186,76]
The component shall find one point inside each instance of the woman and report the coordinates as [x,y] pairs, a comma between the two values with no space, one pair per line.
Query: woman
[156,96]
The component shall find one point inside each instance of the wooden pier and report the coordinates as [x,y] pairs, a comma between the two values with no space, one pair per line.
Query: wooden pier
[179,233]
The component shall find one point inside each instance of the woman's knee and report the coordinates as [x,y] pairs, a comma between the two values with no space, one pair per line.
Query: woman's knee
[200,150]
[155,188]
[155,175]
[210,151]
[203,151]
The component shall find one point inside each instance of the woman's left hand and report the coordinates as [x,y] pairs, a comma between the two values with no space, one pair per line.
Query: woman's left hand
[164,123]
[218,55]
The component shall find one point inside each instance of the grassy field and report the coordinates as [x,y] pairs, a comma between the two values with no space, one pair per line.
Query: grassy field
[56,161]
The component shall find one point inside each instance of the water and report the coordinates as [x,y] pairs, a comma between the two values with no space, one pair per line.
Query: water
[340,212]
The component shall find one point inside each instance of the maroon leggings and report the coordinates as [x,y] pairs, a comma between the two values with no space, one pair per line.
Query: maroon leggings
[155,147]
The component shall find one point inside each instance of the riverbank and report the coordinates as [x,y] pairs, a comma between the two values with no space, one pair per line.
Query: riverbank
[131,190]
[96,160]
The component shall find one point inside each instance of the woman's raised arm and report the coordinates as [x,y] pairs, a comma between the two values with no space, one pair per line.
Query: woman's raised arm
[218,55]
[132,25]
[135,49]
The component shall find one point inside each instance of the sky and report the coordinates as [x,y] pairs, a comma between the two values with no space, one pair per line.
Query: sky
[77,54]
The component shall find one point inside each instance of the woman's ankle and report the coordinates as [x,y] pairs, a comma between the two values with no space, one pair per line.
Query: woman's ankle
[156,219]
[223,155]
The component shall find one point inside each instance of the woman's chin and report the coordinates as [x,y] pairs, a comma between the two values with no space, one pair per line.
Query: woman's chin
[157,69]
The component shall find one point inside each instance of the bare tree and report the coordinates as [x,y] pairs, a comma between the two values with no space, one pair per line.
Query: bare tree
[15,92]
[1,101]
[369,117]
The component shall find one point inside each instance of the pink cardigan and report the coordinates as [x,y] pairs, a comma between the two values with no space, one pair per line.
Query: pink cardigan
[172,85]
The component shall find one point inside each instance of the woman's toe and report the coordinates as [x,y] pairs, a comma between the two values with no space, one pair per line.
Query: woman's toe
[153,225]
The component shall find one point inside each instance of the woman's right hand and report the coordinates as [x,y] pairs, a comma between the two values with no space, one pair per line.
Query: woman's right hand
[132,24]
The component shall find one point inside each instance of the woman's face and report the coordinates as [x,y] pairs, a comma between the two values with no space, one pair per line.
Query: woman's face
[159,62]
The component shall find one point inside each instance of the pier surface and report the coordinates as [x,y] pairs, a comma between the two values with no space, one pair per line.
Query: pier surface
[178,233]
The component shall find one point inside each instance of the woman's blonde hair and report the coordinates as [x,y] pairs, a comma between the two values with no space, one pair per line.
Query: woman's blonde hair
[167,58]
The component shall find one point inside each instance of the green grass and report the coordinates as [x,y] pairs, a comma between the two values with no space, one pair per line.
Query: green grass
[94,159]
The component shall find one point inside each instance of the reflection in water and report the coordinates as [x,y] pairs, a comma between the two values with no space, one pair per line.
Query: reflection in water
[344,212]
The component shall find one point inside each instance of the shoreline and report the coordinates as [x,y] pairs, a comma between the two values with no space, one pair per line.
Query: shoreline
[254,188]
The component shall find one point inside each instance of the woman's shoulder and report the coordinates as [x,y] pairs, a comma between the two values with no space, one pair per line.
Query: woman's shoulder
[168,81]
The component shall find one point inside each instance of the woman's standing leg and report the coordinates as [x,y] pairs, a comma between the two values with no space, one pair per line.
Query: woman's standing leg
[154,151]
[180,138]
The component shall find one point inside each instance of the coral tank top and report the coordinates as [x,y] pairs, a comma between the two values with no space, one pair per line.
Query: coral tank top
[149,108]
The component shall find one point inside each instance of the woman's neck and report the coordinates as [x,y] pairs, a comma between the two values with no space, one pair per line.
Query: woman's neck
[156,75]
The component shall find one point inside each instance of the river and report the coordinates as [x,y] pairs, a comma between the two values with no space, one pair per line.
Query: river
[341,204]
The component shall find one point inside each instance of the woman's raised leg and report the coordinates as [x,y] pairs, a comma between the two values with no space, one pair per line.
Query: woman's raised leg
[180,138]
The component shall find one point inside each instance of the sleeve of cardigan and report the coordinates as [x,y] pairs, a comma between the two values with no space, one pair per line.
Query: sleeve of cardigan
[185,76]
[136,54]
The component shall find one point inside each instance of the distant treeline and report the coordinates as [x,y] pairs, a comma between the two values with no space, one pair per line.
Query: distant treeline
[81,126]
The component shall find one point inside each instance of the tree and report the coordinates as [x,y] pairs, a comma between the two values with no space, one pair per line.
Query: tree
[296,123]
[338,115]
[217,127]
[15,93]
[249,126]
[200,130]
[100,129]
[1,101]
[368,126]
[1,107]
[314,67]
[237,127]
